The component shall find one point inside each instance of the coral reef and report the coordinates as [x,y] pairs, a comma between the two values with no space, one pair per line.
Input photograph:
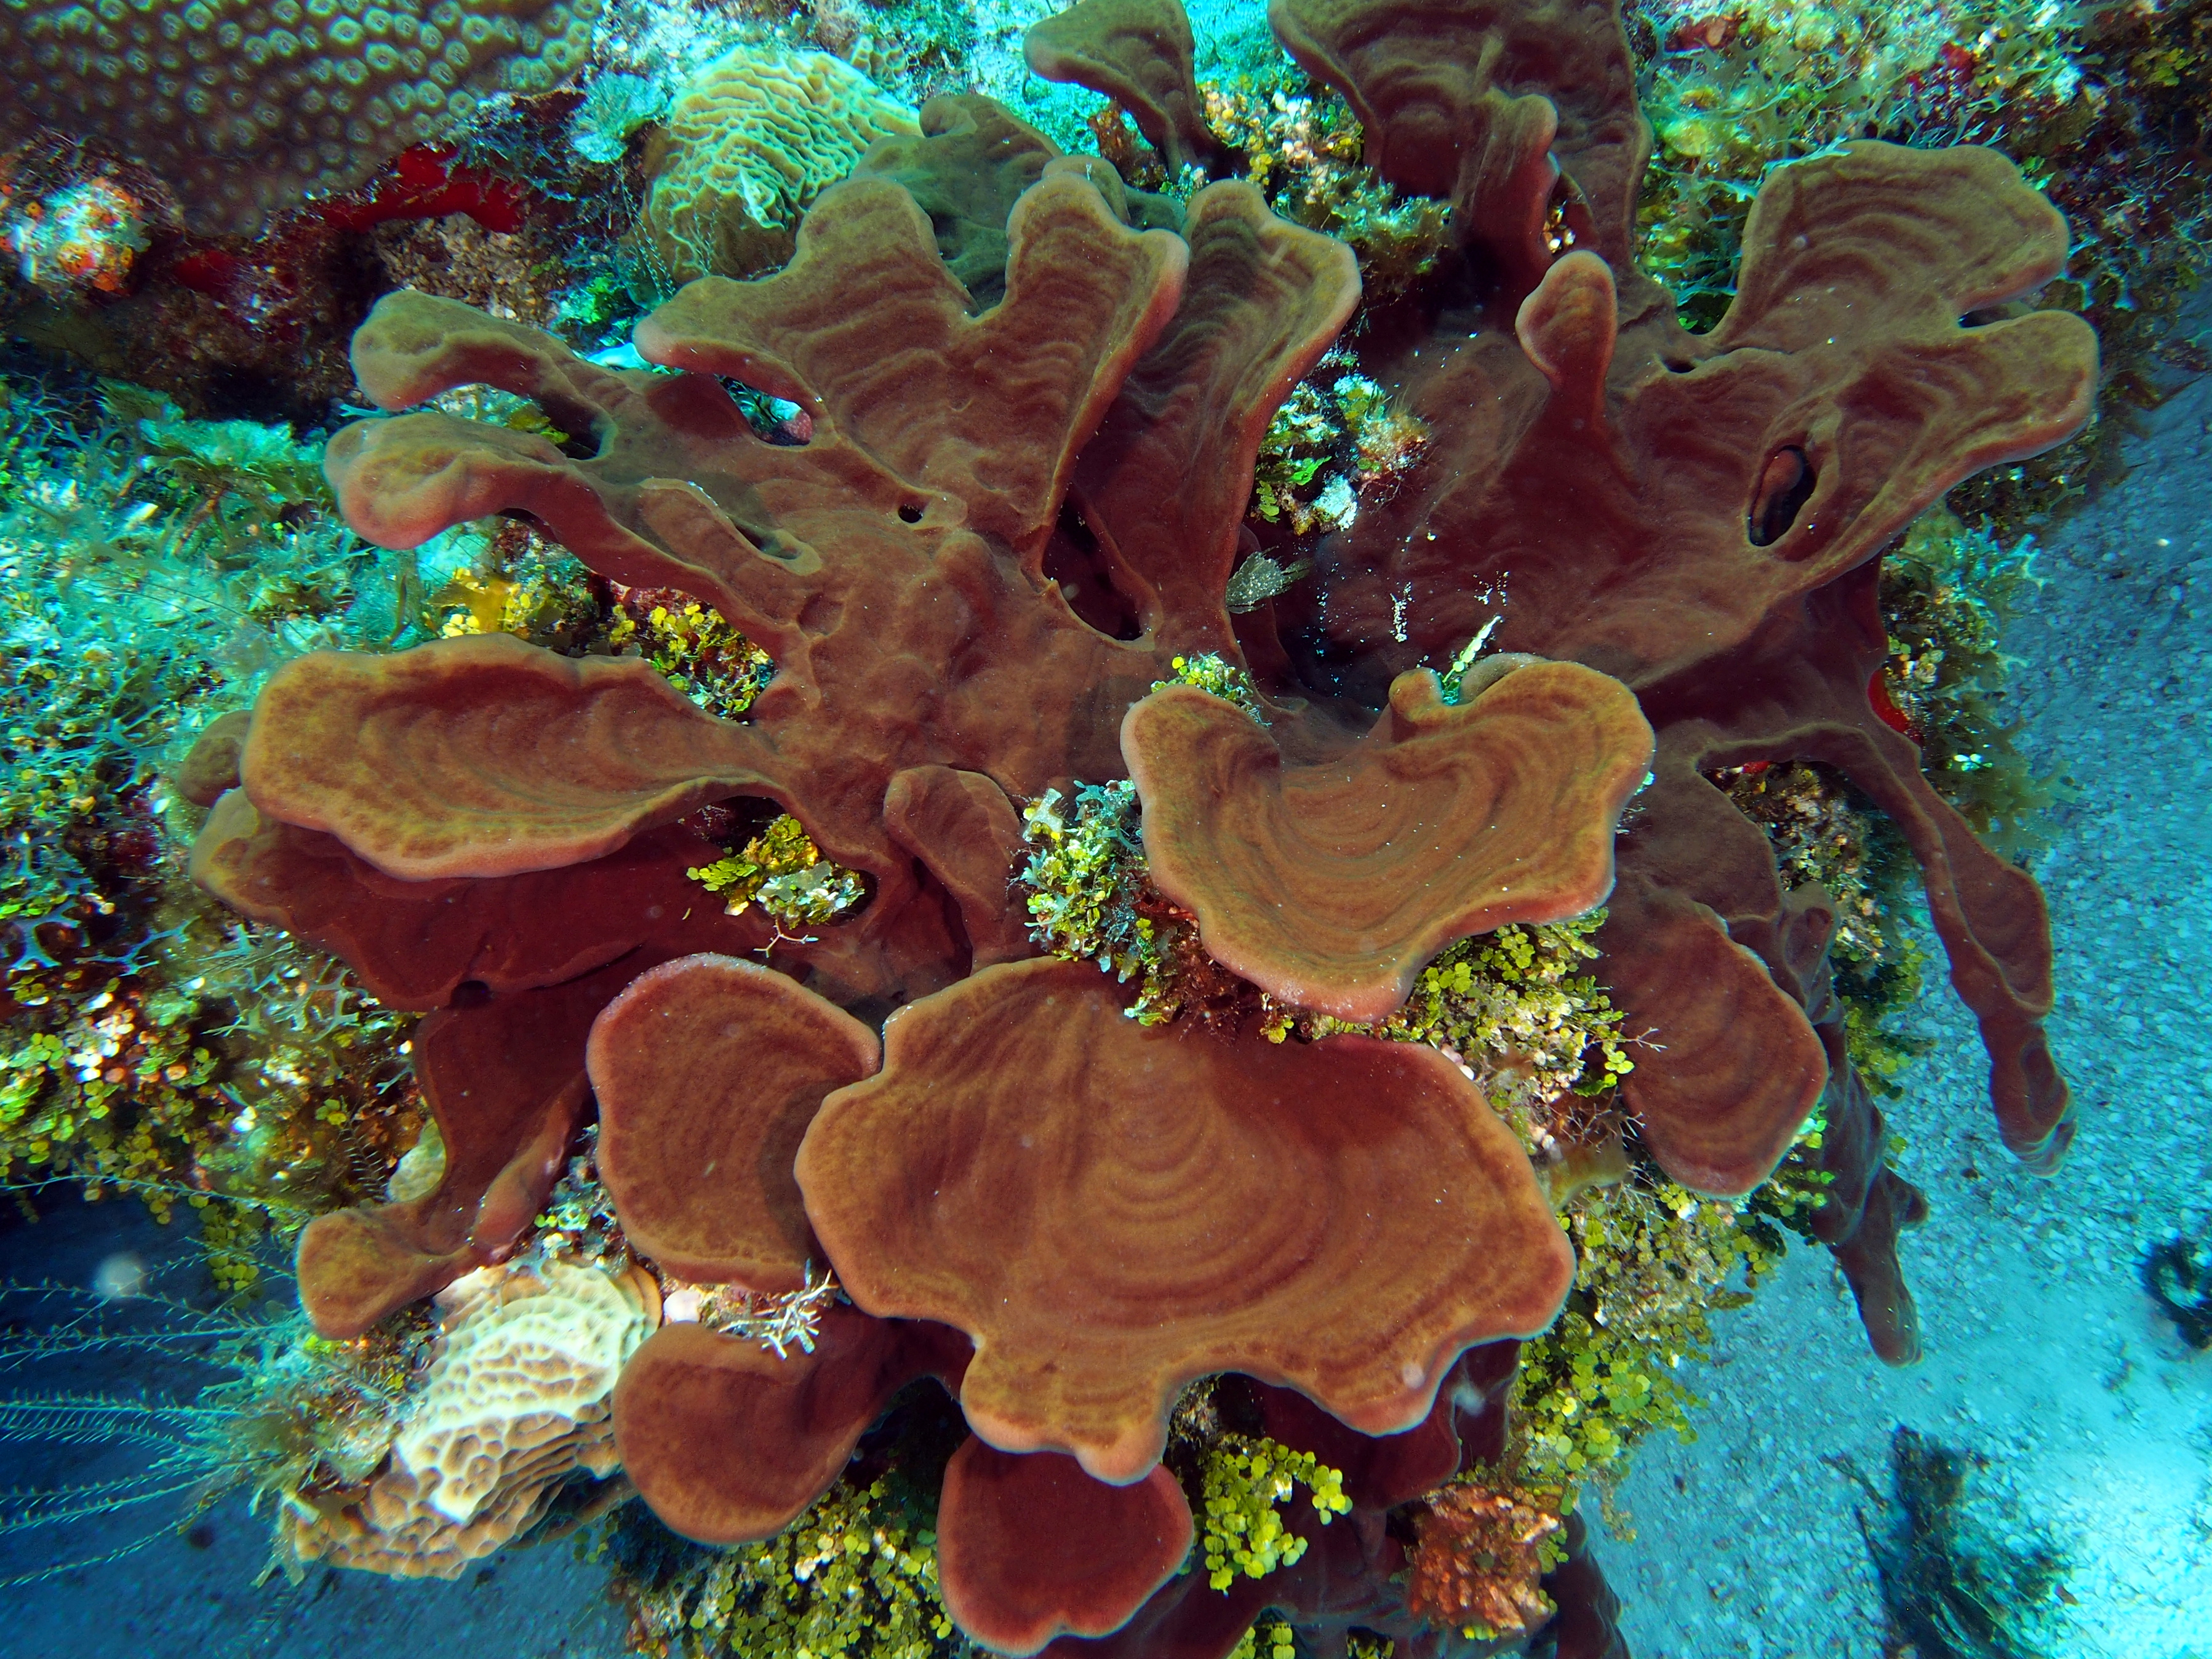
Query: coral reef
[245,106]
[1568,334]
[500,210]
[1294,1302]
[1330,886]
[515,1398]
[357,1263]
[1138,53]
[1028,523]
[750,141]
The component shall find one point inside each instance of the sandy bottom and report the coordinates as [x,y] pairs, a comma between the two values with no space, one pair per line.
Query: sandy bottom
[2044,1354]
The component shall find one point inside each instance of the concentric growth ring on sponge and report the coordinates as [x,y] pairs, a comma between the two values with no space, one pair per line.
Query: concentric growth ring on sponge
[1111,1211]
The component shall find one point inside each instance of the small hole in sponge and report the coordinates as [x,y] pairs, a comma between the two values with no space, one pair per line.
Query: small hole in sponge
[1785,484]
[909,513]
[470,993]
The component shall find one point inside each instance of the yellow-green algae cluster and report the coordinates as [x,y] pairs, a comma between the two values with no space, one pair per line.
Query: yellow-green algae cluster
[856,1574]
[784,872]
[1337,441]
[1515,1008]
[1244,1482]
[1088,893]
[1653,1263]
[852,1576]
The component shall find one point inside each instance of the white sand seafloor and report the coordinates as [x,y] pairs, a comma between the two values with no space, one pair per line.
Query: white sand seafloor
[2043,1352]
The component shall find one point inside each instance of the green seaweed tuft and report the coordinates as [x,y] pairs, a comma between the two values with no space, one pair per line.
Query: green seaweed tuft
[1243,1480]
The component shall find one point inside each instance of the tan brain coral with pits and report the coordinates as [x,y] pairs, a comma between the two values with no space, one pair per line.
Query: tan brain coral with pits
[517,1399]
[752,139]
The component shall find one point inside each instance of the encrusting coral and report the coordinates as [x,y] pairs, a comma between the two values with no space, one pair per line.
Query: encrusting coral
[245,106]
[1009,530]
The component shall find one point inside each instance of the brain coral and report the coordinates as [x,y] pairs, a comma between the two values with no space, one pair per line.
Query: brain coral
[752,139]
[518,1395]
[243,106]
